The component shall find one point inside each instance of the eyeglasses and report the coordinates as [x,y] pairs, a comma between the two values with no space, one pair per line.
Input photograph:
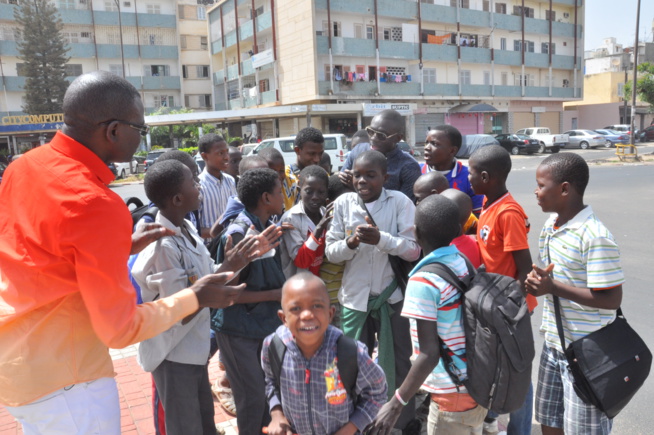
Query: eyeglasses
[143,129]
[383,136]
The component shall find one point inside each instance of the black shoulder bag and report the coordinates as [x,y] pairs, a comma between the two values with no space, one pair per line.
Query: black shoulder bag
[401,268]
[608,366]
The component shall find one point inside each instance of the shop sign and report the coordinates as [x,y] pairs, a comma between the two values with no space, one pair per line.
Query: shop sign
[375,108]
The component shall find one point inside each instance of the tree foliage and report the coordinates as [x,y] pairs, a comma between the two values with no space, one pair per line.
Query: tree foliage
[644,84]
[187,134]
[43,51]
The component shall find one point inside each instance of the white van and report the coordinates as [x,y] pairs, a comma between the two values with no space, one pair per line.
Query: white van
[335,146]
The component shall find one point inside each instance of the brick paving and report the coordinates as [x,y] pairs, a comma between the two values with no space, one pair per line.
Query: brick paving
[135,393]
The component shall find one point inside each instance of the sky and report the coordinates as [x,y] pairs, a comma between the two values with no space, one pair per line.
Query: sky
[617,18]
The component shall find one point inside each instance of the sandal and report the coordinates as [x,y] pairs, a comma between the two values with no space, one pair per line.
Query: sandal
[225,398]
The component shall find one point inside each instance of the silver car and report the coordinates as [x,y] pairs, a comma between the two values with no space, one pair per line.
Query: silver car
[585,139]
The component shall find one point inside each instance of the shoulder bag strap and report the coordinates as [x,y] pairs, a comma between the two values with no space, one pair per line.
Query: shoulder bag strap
[363,204]
[276,351]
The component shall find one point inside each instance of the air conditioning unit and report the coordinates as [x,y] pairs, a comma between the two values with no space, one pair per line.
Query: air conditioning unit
[566,15]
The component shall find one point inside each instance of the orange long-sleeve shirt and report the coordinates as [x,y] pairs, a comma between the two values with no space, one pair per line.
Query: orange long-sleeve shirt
[65,295]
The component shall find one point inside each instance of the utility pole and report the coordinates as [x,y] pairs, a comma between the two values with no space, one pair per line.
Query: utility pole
[120,29]
[633,87]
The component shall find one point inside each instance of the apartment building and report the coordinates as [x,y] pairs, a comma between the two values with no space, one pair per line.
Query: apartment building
[485,66]
[160,46]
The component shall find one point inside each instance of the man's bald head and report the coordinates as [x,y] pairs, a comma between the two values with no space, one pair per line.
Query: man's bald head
[96,97]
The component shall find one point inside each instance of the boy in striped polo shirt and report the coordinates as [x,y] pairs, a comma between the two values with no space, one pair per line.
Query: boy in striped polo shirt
[434,309]
[583,270]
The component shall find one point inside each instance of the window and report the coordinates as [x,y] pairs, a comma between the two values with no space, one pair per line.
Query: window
[73,70]
[184,73]
[387,34]
[164,101]
[487,77]
[370,32]
[180,12]
[258,11]
[202,71]
[429,75]
[125,4]
[154,9]
[529,46]
[182,42]
[110,6]
[524,80]
[202,14]
[116,69]
[71,37]
[85,35]
[505,78]
[550,15]
[205,100]
[264,85]
[502,43]
[464,77]
[66,4]
[204,43]
[336,26]
[154,39]
[528,12]
[358,31]
[157,70]
[500,8]
[462,3]
[486,6]
[544,48]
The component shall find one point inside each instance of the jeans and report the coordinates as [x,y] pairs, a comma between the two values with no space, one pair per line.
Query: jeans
[520,420]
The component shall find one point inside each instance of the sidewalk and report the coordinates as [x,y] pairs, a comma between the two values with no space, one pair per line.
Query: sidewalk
[135,392]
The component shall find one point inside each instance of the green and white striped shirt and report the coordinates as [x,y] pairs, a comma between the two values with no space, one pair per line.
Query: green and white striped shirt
[585,255]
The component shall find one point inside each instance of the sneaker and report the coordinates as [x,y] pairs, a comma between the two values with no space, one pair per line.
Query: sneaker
[491,428]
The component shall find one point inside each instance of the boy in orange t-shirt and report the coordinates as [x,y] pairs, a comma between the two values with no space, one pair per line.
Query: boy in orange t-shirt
[502,237]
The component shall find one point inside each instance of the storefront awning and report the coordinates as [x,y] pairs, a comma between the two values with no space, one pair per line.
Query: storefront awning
[473,108]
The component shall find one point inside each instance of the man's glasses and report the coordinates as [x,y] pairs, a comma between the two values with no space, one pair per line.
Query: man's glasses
[142,128]
[383,136]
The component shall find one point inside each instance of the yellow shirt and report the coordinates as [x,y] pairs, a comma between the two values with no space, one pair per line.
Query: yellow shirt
[290,189]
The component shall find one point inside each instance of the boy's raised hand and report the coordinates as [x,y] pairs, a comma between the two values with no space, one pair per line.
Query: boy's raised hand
[368,234]
[346,177]
[539,281]
[250,248]
[212,292]
[146,233]
[323,225]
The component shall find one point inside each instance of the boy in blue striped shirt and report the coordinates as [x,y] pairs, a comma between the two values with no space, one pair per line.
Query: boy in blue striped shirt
[581,265]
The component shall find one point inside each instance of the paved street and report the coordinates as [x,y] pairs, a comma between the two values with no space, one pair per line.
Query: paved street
[621,195]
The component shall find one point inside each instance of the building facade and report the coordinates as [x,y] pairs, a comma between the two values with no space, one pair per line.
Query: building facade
[485,66]
[160,46]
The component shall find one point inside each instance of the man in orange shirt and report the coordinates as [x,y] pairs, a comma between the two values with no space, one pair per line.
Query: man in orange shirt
[65,296]
[502,237]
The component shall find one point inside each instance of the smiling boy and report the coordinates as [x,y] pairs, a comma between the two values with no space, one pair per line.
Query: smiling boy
[217,185]
[370,297]
[309,370]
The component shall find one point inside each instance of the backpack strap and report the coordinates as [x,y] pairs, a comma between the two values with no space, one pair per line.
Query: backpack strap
[347,363]
[346,352]
[276,352]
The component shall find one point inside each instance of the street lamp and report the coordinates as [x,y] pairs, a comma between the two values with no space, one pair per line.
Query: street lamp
[120,29]
[633,86]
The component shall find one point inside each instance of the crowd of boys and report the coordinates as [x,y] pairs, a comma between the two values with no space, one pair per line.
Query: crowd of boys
[285,254]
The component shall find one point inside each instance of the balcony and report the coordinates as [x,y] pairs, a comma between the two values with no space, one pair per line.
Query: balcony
[216,46]
[503,57]
[537,60]
[246,67]
[132,51]
[365,7]
[219,76]
[439,52]
[507,22]
[563,29]
[437,13]
[268,97]
[81,50]
[472,17]
[403,9]
[156,83]
[232,72]
[564,62]
[398,50]
[246,30]
[476,90]
[8,48]
[107,18]
[533,25]
[230,38]
[235,104]
[346,46]
[264,21]
[400,89]
[355,88]
[441,89]
[15,84]
[475,55]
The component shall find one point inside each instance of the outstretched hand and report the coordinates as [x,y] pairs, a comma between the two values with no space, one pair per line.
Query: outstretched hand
[146,233]
[323,225]
[368,234]
[212,292]
[386,418]
[539,281]
[250,248]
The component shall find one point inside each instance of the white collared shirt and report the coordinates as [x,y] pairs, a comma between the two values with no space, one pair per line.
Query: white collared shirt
[215,194]
[164,268]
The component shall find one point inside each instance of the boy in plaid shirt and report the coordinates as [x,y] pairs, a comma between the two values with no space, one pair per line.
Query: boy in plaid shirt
[311,397]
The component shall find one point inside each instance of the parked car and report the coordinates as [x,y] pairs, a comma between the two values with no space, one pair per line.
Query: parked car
[123,169]
[585,139]
[613,136]
[646,134]
[518,143]
[472,142]
[247,148]
[153,156]
[548,141]
[199,161]
[112,166]
[622,128]
[335,146]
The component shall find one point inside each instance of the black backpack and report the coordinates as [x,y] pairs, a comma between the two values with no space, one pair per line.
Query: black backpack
[140,210]
[499,340]
[346,354]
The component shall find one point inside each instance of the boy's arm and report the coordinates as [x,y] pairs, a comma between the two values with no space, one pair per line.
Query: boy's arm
[336,248]
[279,424]
[404,243]
[423,365]
[523,264]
